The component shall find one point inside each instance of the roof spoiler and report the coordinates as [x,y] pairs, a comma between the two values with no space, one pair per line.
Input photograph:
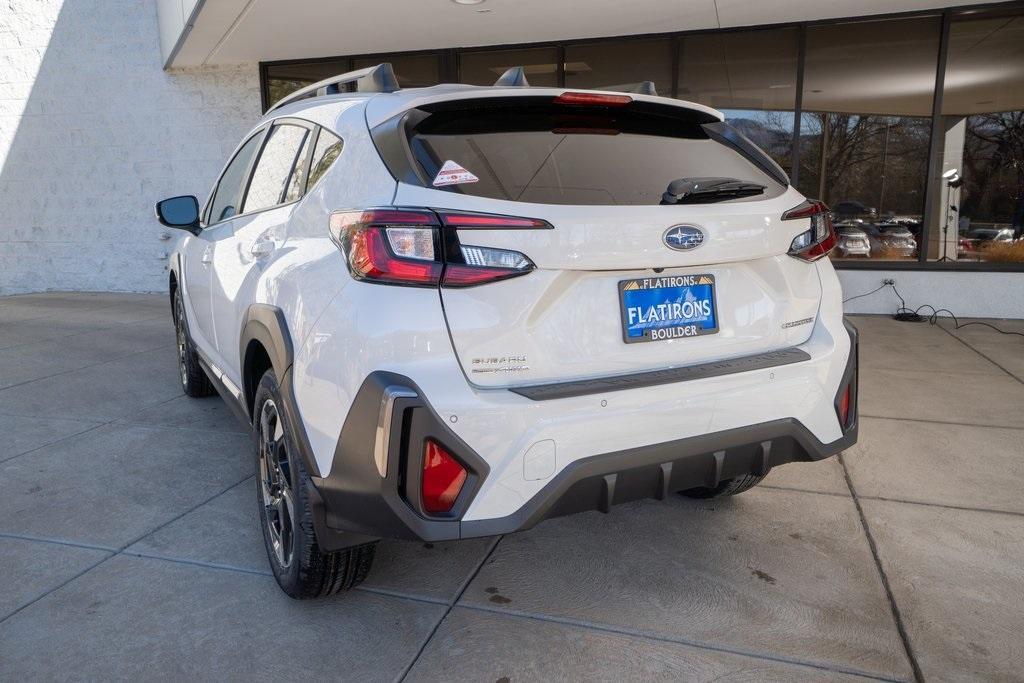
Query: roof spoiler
[641,88]
[513,78]
[380,78]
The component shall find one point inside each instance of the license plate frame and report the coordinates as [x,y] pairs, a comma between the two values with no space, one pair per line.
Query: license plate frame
[665,330]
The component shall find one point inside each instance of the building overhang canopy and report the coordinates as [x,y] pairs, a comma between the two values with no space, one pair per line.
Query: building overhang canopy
[216,32]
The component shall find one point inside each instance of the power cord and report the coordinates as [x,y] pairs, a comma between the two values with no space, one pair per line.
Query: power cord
[861,296]
[933,319]
[904,314]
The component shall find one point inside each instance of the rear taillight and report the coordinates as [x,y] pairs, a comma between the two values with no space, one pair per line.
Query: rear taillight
[420,247]
[489,221]
[820,239]
[442,480]
[391,246]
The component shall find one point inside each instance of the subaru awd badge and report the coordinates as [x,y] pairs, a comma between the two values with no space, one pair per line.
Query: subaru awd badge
[683,237]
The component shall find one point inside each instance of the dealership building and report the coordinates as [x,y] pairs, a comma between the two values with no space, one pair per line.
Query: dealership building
[905,116]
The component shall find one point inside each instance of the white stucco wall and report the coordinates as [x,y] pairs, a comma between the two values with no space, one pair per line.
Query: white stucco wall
[92,132]
[966,294]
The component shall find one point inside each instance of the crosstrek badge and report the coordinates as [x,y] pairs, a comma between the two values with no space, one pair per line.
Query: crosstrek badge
[453,174]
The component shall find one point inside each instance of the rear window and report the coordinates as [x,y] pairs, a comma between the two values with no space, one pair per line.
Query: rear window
[549,153]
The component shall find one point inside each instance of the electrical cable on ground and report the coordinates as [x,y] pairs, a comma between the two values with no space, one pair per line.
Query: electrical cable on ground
[904,314]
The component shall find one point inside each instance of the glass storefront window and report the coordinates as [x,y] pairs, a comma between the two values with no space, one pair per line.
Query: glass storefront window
[751,77]
[869,143]
[865,131]
[620,65]
[979,194]
[284,79]
[485,67]
[412,71]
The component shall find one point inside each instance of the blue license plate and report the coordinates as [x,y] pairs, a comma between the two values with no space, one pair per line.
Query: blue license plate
[671,307]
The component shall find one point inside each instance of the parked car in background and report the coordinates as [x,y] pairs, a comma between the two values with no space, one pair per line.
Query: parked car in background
[911,223]
[851,241]
[890,240]
[846,210]
[975,240]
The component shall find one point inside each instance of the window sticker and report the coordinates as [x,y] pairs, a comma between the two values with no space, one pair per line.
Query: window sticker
[453,174]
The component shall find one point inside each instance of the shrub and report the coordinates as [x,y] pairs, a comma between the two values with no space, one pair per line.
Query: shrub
[1004,252]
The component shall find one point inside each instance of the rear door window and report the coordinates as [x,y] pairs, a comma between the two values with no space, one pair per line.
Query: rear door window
[550,153]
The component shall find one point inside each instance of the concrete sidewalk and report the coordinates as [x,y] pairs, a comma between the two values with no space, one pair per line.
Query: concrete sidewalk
[130,546]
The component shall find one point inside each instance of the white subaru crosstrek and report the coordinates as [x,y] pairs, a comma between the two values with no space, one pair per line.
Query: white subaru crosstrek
[455,311]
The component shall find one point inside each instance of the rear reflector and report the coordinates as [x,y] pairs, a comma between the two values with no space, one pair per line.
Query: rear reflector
[443,477]
[820,239]
[594,99]
[843,407]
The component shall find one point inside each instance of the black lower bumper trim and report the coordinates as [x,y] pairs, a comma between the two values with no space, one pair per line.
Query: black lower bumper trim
[584,387]
[358,500]
[598,482]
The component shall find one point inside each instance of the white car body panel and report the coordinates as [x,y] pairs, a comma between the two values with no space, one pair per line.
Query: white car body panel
[564,319]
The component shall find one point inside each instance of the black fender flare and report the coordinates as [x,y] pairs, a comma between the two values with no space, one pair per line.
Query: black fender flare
[265,324]
[174,272]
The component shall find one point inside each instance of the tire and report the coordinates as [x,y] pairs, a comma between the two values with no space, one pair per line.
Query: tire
[194,381]
[727,487]
[283,486]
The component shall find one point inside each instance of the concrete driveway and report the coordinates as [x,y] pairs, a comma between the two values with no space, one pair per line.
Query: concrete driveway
[129,545]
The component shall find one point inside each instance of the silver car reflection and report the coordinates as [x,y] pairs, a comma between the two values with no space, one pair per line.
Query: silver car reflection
[892,239]
[851,241]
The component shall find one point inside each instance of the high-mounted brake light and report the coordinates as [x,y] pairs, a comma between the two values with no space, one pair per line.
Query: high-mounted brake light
[442,480]
[820,239]
[421,248]
[595,99]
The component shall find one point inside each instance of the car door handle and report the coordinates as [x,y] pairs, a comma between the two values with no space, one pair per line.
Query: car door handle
[207,258]
[262,248]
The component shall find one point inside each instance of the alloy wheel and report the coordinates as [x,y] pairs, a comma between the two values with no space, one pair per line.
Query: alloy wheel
[276,484]
[182,350]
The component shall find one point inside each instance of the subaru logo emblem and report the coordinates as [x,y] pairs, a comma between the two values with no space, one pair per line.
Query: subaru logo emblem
[683,237]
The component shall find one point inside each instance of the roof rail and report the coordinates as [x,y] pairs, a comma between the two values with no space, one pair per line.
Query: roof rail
[513,78]
[641,88]
[380,78]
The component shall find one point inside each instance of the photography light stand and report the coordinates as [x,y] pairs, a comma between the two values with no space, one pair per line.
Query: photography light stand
[953,182]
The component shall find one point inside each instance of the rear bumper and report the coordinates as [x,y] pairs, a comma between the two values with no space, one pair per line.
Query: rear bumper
[601,481]
[357,502]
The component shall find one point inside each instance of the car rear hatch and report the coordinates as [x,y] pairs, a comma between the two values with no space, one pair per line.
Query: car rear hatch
[623,279]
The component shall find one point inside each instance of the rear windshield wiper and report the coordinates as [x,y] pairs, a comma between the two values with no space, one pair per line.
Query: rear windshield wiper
[708,190]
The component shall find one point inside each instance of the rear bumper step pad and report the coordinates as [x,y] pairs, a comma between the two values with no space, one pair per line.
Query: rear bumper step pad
[584,387]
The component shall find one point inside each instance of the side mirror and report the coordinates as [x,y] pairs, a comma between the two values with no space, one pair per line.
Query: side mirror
[179,212]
